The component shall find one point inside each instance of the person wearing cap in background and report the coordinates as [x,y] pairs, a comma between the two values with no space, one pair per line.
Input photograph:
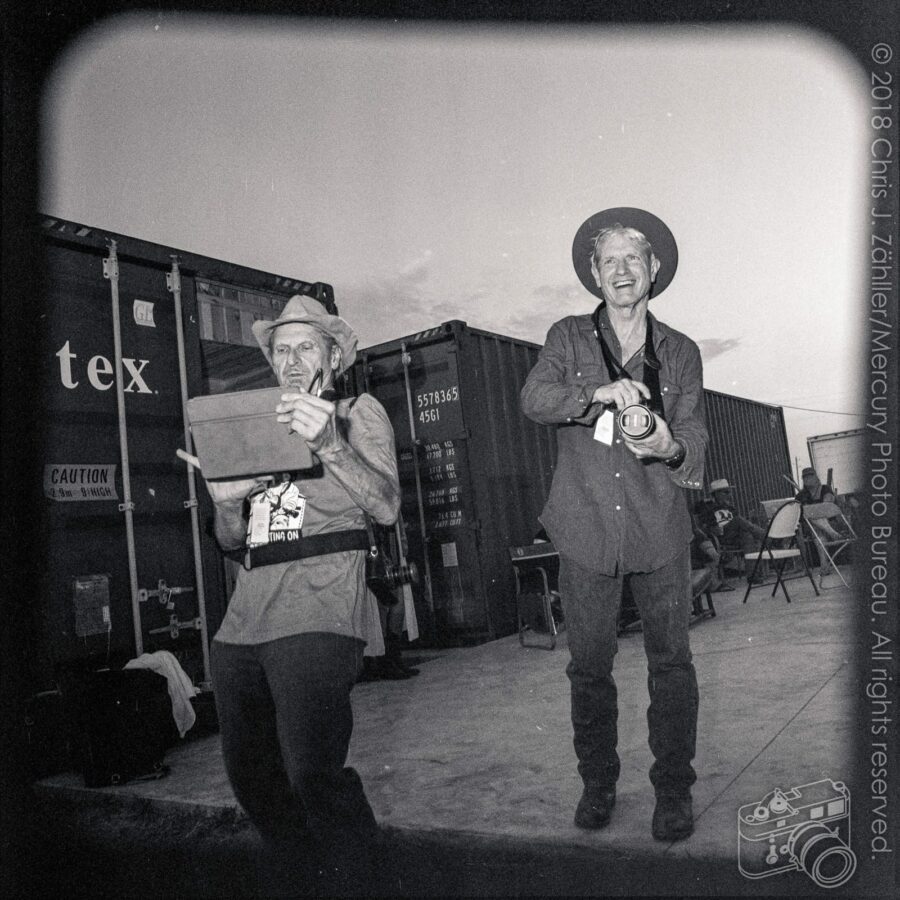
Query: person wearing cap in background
[738,534]
[617,507]
[815,492]
[290,646]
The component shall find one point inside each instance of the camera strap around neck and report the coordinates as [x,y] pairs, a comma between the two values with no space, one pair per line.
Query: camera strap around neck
[651,361]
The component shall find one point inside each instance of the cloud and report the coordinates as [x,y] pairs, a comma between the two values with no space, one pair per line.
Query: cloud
[532,315]
[710,348]
[416,298]
[384,308]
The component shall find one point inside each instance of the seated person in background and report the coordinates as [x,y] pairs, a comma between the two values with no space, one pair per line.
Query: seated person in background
[703,518]
[705,554]
[737,533]
[816,492]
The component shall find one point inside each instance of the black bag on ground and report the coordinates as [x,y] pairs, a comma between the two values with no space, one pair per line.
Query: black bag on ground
[124,724]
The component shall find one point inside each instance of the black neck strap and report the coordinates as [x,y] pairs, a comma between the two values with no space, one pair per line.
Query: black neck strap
[651,361]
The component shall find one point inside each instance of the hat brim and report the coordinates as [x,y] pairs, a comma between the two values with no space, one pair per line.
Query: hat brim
[335,326]
[653,228]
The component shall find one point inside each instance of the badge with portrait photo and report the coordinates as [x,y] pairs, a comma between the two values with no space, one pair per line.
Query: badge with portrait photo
[276,515]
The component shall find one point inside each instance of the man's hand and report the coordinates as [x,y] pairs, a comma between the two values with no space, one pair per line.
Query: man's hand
[658,445]
[621,393]
[312,418]
[230,492]
[233,492]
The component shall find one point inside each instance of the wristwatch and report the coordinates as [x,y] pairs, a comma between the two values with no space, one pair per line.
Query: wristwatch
[675,461]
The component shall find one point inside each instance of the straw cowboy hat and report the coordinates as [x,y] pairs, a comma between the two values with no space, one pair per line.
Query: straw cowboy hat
[305,309]
[655,230]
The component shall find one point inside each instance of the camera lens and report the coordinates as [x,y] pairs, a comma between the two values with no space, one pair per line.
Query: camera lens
[636,422]
[822,854]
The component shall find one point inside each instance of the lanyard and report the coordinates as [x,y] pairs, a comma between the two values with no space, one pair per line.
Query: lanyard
[651,362]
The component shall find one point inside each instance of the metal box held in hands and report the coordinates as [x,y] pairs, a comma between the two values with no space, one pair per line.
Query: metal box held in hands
[474,471]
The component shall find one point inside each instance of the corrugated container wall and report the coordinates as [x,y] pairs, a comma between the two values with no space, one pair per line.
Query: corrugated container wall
[99,595]
[748,446]
[484,470]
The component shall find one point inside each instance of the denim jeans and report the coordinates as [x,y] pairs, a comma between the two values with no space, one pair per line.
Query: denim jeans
[591,604]
[285,721]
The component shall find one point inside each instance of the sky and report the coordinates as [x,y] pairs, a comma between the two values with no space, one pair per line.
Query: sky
[440,172]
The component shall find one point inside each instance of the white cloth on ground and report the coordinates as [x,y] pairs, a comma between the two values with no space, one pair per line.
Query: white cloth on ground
[181,688]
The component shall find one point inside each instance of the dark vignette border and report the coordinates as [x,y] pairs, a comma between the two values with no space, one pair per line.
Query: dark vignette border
[35,34]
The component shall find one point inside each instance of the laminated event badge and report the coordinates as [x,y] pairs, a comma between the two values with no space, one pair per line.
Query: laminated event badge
[603,430]
[276,515]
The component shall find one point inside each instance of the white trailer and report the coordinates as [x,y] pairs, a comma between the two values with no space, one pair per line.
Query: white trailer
[843,454]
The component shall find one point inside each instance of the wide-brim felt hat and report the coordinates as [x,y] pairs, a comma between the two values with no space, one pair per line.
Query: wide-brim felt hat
[304,309]
[653,228]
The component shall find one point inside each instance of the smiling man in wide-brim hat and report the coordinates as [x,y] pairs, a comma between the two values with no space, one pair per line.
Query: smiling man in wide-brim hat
[617,507]
[656,234]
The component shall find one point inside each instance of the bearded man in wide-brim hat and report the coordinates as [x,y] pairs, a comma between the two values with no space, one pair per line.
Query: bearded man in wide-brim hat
[617,507]
[290,646]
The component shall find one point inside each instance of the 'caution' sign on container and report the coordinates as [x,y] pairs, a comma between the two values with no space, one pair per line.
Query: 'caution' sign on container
[70,481]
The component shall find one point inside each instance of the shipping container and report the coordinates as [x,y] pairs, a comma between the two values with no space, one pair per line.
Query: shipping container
[748,445]
[129,559]
[131,330]
[839,459]
[474,471]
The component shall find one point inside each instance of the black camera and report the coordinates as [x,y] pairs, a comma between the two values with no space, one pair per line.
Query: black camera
[384,576]
[636,421]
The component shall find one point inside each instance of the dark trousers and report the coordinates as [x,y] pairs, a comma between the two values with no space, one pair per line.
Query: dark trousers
[285,721]
[591,604]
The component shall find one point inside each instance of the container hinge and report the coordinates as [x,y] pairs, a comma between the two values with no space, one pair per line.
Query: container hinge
[129,506]
[169,286]
[110,268]
[191,504]
[163,592]
[175,626]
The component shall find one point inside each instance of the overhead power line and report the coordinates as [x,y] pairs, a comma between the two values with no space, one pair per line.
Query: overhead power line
[830,412]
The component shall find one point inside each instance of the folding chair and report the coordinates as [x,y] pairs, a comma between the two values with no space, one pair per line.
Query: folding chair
[534,610]
[701,584]
[816,512]
[782,526]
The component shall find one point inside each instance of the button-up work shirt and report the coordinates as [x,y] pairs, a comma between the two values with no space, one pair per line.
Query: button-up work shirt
[609,511]
[319,593]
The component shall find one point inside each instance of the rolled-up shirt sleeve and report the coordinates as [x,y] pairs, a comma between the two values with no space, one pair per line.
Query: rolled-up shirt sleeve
[687,422]
[550,395]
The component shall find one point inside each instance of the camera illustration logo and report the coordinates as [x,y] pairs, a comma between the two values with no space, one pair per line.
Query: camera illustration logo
[805,828]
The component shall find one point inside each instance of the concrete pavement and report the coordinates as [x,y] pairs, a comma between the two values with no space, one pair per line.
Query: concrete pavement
[478,749]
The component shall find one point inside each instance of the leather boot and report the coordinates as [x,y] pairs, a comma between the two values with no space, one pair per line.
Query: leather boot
[673,818]
[595,806]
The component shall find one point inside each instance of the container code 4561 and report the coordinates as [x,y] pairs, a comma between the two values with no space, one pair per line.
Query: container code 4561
[429,401]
